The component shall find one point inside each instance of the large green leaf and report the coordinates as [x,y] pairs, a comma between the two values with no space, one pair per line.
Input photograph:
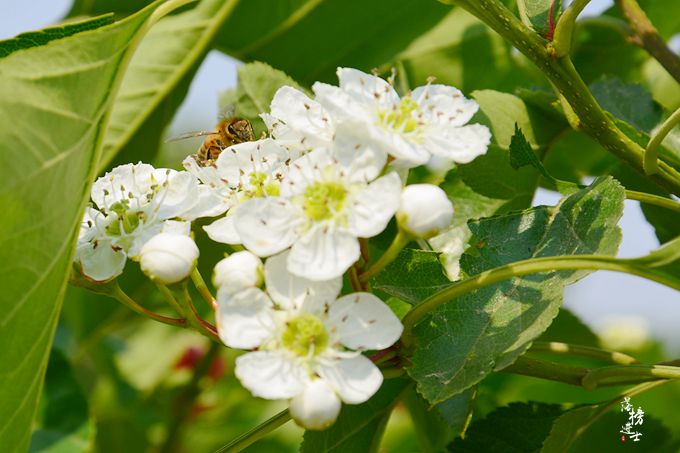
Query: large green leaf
[51,121]
[157,80]
[627,101]
[65,425]
[358,428]
[487,329]
[461,51]
[309,39]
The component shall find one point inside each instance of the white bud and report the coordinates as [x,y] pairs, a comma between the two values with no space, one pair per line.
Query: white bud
[316,407]
[238,271]
[168,257]
[425,210]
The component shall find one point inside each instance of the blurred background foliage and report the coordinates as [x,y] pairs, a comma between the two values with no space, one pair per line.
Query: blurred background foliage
[117,381]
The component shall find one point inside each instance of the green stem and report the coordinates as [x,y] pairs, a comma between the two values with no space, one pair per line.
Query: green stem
[170,298]
[120,295]
[545,369]
[655,200]
[562,74]
[564,31]
[526,267]
[248,438]
[400,241]
[594,377]
[652,151]
[649,37]
[202,288]
[354,279]
[583,351]
[195,320]
[184,403]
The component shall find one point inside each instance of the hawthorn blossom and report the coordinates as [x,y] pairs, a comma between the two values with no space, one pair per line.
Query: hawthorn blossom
[306,344]
[168,257]
[429,121]
[425,210]
[133,203]
[241,172]
[328,200]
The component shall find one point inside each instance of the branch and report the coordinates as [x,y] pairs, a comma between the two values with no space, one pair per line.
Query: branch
[562,74]
[649,37]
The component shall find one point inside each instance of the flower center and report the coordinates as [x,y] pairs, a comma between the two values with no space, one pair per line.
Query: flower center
[128,220]
[323,199]
[259,187]
[401,117]
[305,334]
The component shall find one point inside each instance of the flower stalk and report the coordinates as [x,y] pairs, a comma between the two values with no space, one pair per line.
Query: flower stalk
[400,241]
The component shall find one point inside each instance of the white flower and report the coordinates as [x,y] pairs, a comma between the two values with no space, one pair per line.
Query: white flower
[305,339]
[297,122]
[326,204]
[316,407]
[238,271]
[168,257]
[241,172]
[133,204]
[429,121]
[425,210]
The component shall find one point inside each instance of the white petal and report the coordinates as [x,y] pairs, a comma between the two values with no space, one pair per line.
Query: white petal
[223,230]
[317,407]
[355,379]
[237,163]
[341,105]
[362,321]
[323,253]
[374,206]
[367,88]
[362,159]
[292,292]
[100,263]
[300,113]
[143,233]
[444,104]
[122,181]
[267,225]
[245,318]
[210,203]
[271,375]
[176,227]
[408,154]
[307,169]
[178,194]
[460,144]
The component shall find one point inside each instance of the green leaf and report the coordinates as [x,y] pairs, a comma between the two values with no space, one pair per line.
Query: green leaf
[487,329]
[413,276]
[257,84]
[519,427]
[51,121]
[521,155]
[65,424]
[432,429]
[461,51]
[567,328]
[627,101]
[157,80]
[542,14]
[358,428]
[42,37]
[310,39]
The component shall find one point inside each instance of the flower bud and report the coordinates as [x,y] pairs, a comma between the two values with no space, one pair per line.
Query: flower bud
[316,407]
[425,210]
[238,271]
[168,258]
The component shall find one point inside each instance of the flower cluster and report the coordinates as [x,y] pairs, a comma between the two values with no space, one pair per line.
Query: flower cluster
[330,172]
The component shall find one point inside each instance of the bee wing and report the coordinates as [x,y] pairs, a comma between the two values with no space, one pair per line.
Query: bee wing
[228,111]
[189,135]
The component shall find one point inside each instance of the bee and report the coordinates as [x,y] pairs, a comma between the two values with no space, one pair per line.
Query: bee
[231,130]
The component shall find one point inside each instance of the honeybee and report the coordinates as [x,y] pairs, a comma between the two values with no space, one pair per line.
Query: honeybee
[231,130]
